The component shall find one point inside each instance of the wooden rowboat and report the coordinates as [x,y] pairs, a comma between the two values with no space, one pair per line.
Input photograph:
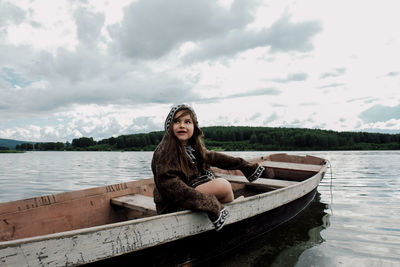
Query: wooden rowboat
[97,224]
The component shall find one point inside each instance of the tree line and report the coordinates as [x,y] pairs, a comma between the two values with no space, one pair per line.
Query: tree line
[237,138]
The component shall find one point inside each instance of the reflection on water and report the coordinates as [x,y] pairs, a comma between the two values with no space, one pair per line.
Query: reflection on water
[284,245]
[354,222]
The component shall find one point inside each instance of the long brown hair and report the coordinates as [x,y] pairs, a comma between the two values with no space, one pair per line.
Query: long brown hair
[174,154]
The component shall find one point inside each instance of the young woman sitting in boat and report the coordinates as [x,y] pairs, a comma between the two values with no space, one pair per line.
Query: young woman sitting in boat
[181,167]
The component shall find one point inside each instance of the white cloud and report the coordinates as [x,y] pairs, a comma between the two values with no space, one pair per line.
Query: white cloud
[9,14]
[380,113]
[151,29]
[99,68]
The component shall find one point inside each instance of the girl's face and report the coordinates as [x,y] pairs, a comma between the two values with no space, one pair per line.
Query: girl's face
[183,127]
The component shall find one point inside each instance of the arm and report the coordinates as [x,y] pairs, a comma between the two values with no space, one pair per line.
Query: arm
[173,189]
[252,171]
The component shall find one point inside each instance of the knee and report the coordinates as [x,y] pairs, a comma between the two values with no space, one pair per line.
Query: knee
[225,190]
[219,187]
[224,185]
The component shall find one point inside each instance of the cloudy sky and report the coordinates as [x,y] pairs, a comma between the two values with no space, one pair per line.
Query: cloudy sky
[105,68]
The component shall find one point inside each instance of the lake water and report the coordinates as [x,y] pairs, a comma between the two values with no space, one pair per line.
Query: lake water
[353,221]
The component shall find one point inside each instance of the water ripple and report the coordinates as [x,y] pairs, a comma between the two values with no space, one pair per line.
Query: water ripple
[355,224]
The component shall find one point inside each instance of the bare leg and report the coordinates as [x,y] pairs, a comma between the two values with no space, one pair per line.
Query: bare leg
[219,187]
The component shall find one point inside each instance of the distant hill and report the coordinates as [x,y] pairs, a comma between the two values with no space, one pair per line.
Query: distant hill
[230,138]
[12,143]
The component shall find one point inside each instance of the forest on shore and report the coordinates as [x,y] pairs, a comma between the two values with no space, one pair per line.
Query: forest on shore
[236,138]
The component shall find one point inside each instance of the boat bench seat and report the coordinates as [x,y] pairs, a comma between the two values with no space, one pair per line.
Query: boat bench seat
[274,183]
[292,166]
[136,202]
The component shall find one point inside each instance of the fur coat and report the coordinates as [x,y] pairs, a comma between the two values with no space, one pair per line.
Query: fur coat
[175,191]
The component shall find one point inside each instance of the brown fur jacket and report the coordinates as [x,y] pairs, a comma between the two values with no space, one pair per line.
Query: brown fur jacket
[175,191]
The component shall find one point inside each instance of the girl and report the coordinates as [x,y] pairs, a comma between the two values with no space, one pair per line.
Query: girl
[181,168]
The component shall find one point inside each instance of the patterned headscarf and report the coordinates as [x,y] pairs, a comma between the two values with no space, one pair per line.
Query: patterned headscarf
[172,113]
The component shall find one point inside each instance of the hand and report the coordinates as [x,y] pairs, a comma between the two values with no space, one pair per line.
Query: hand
[268,173]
